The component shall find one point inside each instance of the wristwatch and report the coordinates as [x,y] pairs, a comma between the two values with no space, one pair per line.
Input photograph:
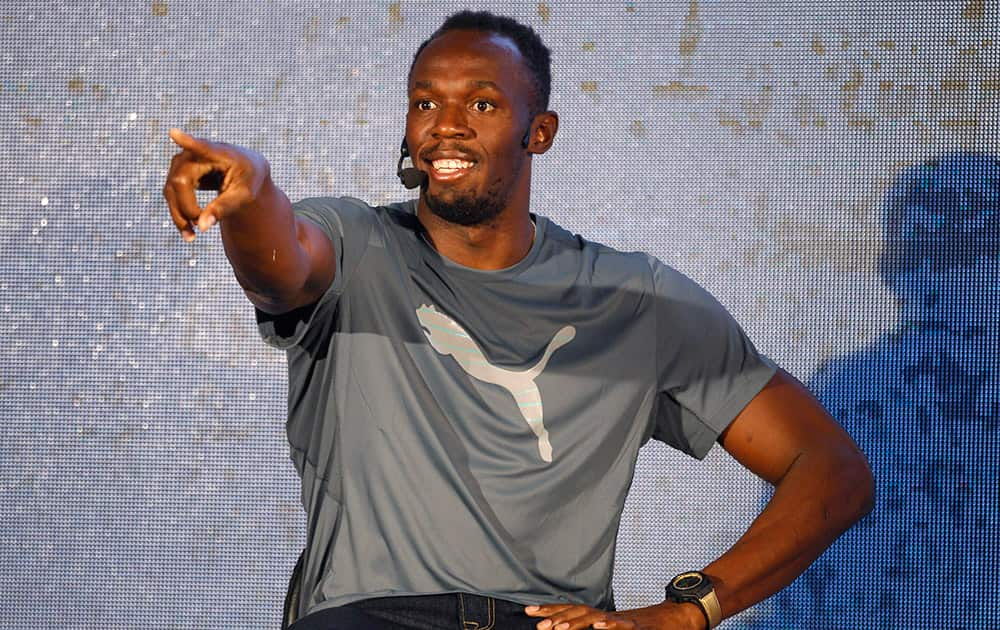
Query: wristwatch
[695,587]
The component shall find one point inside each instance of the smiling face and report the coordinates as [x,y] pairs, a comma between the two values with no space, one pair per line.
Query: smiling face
[470,101]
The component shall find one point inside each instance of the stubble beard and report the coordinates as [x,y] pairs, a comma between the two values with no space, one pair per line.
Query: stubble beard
[467,209]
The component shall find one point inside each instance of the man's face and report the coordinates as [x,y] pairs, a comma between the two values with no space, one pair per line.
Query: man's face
[469,108]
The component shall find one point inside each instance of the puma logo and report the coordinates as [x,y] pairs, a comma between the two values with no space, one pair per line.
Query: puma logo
[450,339]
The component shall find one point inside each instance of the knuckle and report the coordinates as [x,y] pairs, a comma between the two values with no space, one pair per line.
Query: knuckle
[179,180]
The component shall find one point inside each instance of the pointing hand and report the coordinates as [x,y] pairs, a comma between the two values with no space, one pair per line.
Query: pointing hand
[237,173]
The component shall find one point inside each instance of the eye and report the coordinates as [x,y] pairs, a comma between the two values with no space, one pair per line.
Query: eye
[424,105]
[482,106]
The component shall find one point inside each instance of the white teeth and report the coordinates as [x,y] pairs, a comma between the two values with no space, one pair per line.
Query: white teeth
[450,166]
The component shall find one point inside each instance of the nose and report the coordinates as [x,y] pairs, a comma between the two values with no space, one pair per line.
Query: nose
[451,122]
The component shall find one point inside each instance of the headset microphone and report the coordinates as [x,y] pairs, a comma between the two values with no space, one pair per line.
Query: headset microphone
[409,177]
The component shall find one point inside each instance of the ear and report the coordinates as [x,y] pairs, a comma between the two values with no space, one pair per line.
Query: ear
[543,132]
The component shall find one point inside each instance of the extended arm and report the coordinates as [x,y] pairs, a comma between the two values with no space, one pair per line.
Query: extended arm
[281,262]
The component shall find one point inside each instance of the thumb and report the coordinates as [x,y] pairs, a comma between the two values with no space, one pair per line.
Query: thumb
[224,204]
[207,218]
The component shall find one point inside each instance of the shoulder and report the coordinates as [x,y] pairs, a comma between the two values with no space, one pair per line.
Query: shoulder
[603,263]
[349,206]
[348,214]
[335,205]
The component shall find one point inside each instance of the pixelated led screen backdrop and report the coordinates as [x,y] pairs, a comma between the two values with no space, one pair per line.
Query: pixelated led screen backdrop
[828,170]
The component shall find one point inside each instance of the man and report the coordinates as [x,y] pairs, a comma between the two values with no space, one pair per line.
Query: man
[469,384]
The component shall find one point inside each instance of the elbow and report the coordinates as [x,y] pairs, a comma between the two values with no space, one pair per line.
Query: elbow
[858,487]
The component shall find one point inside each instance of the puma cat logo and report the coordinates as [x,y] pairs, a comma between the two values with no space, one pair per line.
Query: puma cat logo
[448,338]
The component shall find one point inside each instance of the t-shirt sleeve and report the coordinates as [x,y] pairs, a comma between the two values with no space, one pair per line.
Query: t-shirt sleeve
[708,369]
[348,223]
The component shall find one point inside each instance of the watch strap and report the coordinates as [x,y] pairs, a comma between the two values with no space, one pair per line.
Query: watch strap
[695,587]
[710,606]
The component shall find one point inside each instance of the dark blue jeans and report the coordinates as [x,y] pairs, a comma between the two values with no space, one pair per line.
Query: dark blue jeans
[452,611]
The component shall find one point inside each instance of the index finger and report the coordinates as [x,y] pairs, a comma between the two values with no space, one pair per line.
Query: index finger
[544,610]
[202,148]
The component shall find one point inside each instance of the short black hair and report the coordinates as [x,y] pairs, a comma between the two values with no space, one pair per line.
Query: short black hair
[535,53]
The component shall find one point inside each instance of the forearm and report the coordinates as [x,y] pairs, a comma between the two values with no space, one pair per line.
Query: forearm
[262,243]
[805,515]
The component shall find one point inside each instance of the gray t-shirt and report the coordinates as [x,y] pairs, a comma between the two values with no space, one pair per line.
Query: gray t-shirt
[466,430]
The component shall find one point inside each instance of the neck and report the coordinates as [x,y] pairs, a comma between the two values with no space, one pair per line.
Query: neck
[499,244]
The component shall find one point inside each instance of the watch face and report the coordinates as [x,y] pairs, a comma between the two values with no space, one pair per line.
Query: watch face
[687,581]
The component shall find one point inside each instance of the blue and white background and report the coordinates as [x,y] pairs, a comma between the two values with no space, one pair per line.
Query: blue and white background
[828,170]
